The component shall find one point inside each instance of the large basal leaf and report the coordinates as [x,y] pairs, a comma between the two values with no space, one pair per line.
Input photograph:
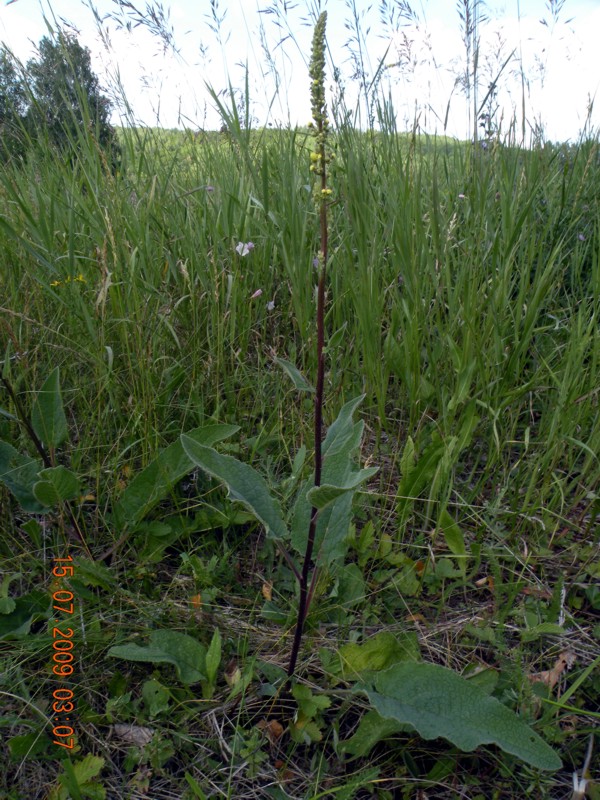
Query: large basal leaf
[160,476]
[58,484]
[19,474]
[168,647]
[244,484]
[48,415]
[438,702]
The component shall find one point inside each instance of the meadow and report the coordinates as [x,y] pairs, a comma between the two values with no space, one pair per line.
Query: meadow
[154,299]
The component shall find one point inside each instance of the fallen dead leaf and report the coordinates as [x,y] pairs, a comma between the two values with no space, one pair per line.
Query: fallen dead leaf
[133,734]
[550,677]
[267,590]
[273,729]
[232,673]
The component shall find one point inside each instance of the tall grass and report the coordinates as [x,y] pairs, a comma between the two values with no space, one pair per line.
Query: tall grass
[463,299]
[476,306]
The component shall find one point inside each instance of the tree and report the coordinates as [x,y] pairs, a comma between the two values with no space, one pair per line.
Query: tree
[13,106]
[58,96]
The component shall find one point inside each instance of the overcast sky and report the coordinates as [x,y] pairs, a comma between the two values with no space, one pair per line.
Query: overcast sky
[421,60]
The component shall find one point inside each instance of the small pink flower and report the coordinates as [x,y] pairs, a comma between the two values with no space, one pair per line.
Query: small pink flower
[462,196]
[243,248]
[256,294]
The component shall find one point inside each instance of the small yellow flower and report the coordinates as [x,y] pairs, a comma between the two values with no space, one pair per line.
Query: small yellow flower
[325,192]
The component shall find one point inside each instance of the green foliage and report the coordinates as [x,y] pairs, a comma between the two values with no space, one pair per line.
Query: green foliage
[80,779]
[56,98]
[186,654]
[154,482]
[57,485]
[16,622]
[438,702]
[47,413]
[489,469]
[19,473]
[244,483]
[13,106]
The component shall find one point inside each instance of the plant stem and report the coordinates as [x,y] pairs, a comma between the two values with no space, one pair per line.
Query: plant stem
[307,566]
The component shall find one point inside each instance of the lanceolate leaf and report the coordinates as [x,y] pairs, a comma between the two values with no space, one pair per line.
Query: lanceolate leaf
[47,415]
[244,483]
[155,481]
[438,702]
[294,373]
[340,427]
[339,473]
[322,496]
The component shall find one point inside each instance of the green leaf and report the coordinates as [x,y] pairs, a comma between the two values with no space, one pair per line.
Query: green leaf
[418,477]
[160,476]
[78,780]
[94,573]
[213,659]
[322,496]
[48,418]
[19,473]
[7,414]
[156,697]
[296,376]
[358,661]
[88,768]
[58,484]
[454,539]
[28,745]
[244,484]
[336,338]
[372,729]
[7,604]
[29,607]
[342,440]
[338,430]
[309,704]
[543,629]
[168,647]
[407,462]
[438,702]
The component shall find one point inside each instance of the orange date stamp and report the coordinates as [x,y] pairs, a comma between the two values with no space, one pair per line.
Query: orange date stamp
[63,704]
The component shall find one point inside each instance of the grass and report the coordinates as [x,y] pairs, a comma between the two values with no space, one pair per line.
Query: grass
[464,299]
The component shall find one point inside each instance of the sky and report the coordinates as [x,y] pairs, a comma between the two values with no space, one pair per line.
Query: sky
[547,65]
